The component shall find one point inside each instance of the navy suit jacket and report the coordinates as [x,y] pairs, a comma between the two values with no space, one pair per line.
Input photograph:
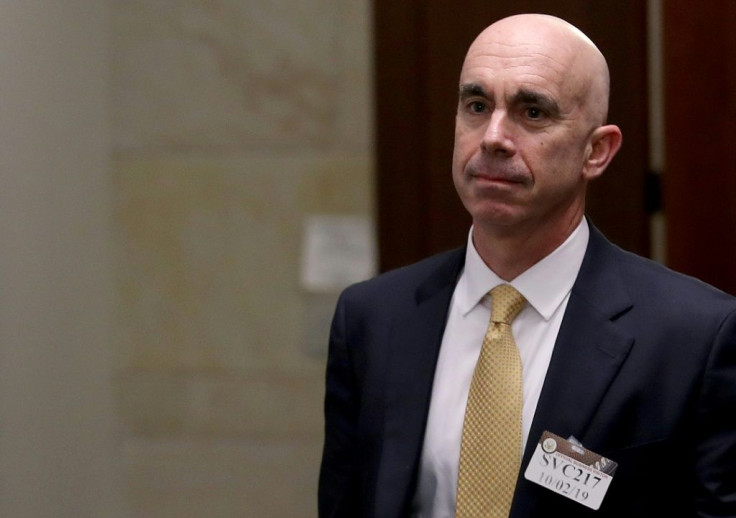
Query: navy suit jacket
[643,371]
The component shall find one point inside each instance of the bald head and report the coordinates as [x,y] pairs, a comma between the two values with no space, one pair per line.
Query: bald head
[567,52]
[530,133]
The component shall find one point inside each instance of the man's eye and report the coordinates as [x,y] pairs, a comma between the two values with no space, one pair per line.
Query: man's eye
[534,113]
[477,107]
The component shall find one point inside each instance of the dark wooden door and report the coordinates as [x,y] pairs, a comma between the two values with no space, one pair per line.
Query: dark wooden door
[700,134]
[419,50]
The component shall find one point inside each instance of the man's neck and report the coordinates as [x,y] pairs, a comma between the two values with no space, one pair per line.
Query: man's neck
[511,253]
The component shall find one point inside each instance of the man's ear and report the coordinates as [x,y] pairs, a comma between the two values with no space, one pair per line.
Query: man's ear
[605,141]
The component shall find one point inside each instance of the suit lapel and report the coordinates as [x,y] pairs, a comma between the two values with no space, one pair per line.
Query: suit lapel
[588,354]
[415,338]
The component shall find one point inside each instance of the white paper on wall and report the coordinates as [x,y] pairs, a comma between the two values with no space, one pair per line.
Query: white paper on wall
[338,250]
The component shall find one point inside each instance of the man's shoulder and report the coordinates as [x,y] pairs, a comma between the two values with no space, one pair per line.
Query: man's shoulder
[612,279]
[646,278]
[439,269]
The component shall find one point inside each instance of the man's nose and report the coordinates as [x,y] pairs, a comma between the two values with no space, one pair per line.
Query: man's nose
[498,138]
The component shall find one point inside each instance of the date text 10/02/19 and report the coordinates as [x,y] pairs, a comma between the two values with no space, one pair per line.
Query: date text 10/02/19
[567,478]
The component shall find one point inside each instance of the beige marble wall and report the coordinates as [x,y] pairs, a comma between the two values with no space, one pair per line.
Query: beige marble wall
[58,456]
[232,122]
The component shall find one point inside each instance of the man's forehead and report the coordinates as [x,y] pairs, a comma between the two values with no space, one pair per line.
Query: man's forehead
[512,77]
[522,66]
[521,57]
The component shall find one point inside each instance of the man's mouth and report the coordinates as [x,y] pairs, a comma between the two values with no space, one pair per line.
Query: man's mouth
[508,179]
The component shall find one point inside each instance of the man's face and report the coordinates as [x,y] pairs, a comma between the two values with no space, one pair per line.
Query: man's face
[522,133]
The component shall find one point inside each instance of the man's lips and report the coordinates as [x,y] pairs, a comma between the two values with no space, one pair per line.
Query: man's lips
[496,178]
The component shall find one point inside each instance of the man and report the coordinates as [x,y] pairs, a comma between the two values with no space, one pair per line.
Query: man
[621,356]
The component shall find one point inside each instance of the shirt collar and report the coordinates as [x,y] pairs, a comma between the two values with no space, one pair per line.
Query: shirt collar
[545,285]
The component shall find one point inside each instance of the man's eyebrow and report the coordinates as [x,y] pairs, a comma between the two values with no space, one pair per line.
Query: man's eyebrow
[545,102]
[472,90]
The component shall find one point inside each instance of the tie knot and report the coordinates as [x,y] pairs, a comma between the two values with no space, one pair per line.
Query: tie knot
[506,303]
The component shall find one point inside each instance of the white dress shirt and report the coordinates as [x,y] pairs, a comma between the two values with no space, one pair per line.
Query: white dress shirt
[546,287]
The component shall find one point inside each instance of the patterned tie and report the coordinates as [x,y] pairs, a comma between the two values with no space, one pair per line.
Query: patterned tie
[490,452]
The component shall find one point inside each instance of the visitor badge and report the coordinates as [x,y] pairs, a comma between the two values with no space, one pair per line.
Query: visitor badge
[568,469]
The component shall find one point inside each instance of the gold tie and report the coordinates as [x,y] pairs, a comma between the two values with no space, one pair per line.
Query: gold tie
[490,452]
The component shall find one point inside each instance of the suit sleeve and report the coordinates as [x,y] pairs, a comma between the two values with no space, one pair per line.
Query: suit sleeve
[716,432]
[339,473]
